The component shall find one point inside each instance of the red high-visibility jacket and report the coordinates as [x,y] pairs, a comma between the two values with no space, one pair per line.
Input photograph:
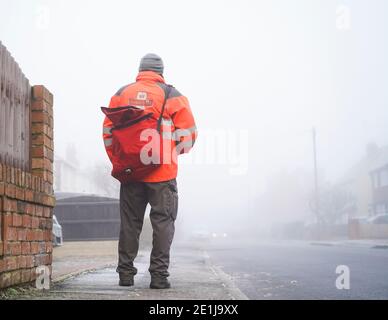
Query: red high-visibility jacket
[178,126]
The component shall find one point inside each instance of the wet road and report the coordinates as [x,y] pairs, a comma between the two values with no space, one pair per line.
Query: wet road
[297,270]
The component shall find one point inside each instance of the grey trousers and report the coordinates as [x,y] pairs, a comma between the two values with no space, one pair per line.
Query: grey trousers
[163,199]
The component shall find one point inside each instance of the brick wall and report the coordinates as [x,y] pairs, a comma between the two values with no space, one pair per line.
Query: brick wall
[27,201]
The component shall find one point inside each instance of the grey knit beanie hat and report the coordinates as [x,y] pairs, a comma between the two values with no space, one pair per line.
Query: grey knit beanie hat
[152,62]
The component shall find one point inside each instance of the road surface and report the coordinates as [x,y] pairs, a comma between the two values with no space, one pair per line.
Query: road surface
[302,270]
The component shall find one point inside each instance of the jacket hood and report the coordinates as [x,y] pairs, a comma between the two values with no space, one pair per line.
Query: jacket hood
[150,76]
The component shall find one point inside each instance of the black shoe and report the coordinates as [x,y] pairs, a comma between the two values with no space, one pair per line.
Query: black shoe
[126,281]
[160,283]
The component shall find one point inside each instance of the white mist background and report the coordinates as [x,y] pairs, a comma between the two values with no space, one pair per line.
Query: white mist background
[272,68]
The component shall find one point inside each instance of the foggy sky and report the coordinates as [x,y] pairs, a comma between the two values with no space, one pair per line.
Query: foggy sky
[274,68]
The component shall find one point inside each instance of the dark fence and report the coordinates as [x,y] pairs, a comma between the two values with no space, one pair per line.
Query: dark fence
[15,105]
[88,218]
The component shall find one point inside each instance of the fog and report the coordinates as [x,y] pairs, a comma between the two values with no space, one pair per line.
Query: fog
[259,76]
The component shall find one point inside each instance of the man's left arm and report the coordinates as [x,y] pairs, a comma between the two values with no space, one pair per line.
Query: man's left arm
[186,132]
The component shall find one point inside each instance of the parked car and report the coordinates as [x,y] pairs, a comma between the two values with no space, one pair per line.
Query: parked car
[361,220]
[57,233]
[379,219]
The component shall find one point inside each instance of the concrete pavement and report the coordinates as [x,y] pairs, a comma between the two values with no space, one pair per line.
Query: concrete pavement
[77,257]
[193,277]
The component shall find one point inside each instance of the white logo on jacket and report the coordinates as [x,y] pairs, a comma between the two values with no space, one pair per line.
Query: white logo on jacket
[142,96]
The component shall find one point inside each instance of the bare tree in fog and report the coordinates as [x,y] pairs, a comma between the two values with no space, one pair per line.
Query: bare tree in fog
[100,174]
[335,204]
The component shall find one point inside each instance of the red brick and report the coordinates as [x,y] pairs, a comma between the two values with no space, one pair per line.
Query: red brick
[41,164]
[38,152]
[30,236]
[11,234]
[17,220]
[19,177]
[50,224]
[8,177]
[49,247]
[26,276]
[39,211]
[42,247]
[34,223]
[49,201]
[37,163]
[42,224]
[50,177]
[6,224]
[28,180]
[29,261]
[14,248]
[48,212]
[40,235]
[21,207]
[10,190]
[10,205]
[30,208]
[41,93]
[38,260]
[23,179]
[27,221]
[15,277]
[26,248]
[43,259]
[35,183]
[19,194]
[1,172]
[8,173]
[34,247]
[38,197]
[48,165]
[39,116]
[22,262]
[29,195]
[43,129]
[49,259]
[5,280]
[42,140]
[2,188]
[47,236]
[2,266]
[11,263]
[22,234]
[13,175]
[50,153]
[41,105]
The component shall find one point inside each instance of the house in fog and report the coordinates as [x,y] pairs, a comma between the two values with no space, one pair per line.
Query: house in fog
[70,178]
[379,178]
[367,181]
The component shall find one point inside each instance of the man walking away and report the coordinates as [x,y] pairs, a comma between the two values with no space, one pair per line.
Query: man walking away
[159,189]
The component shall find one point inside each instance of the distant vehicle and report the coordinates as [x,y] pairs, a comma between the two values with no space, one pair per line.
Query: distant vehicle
[57,233]
[206,235]
[201,235]
[379,219]
[219,235]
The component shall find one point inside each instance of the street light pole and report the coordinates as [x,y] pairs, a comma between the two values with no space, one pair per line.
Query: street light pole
[317,211]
